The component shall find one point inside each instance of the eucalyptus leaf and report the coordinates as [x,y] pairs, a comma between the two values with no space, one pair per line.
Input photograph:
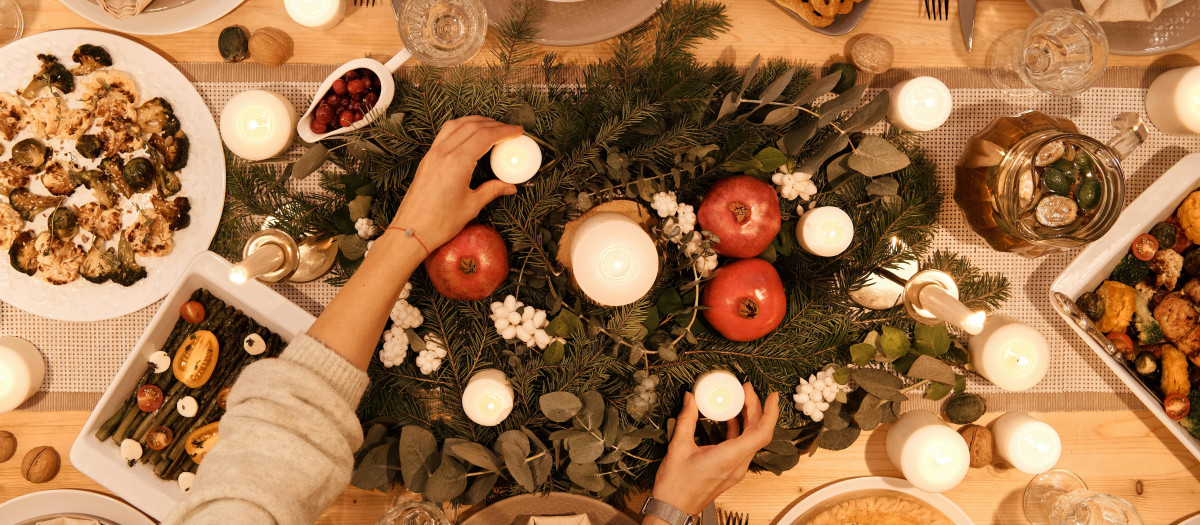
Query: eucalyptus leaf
[611,427]
[932,340]
[780,116]
[773,90]
[592,412]
[830,111]
[903,363]
[793,142]
[937,391]
[586,475]
[838,439]
[893,342]
[861,354]
[868,115]
[541,463]
[836,417]
[776,463]
[514,448]
[360,207]
[669,302]
[817,88]
[931,368]
[879,383]
[868,415]
[415,343]
[447,482]
[352,246]
[479,489]
[728,105]
[883,186]
[559,435]
[585,448]
[876,156]
[770,159]
[418,456]
[554,353]
[960,383]
[477,455]
[842,375]
[372,471]
[310,161]
[828,148]
[751,72]
[566,324]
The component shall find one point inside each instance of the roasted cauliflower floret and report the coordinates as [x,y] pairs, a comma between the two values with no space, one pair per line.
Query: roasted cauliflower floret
[10,225]
[13,176]
[150,234]
[14,116]
[1189,216]
[58,180]
[58,260]
[1118,306]
[99,265]
[177,212]
[101,221]
[73,123]
[22,254]
[1167,264]
[111,89]
[1176,315]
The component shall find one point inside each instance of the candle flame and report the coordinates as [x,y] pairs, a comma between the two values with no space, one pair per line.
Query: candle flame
[831,233]
[719,398]
[617,263]
[974,324]
[238,275]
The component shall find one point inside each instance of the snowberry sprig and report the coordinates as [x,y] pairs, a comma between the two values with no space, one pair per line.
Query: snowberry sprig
[430,359]
[664,203]
[395,347]
[365,227]
[514,320]
[706,263]
[813,395]
[794,184]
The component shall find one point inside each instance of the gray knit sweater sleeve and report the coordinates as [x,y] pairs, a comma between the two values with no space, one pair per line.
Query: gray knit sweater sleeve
[287,442]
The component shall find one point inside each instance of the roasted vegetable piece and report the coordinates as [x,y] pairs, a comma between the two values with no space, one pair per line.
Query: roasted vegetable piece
[1167,265]
[1149,333]
[23,254]
[90,58]
[1177,406]
[130,271]
[138,174]
[30,153]
[100,265]
[1144,246]
[29,205]
[63,223]
[1147,367]
[1092,305]
[90,146]
[176,212]
[113,169]
[1164,232]
[1191,261]
[1176,315]
[1118,306]
[196,358]
[1130,270]
[1189,216]
[173,148]
[1174,372]
[201,441]
[101,189]
[157,116]
[52,75]
[1192,421]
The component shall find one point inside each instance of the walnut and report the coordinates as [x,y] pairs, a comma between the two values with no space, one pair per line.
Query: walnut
[40,464]
[8,445]
[979,441]
[270,46]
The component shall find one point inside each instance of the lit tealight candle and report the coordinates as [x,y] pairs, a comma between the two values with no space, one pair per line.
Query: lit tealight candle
[316,14]
[825,232]
[21,372]
[488,399]
[516,160]
[613,259]
[930,454]
[719,395]
[1028,444]
[1010,354]
[257,125]
[1173,101]
[920,104]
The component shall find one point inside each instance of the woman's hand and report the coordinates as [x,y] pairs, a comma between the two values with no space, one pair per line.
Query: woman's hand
[440,201]
[692,476]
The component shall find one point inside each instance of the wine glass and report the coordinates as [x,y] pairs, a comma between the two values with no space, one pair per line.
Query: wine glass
[1059,497]
[408,511]
[12,24]
[1063,53]
[443,33]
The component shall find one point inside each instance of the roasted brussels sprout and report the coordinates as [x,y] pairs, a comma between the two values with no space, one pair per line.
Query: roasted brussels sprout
[23,254]
[173,148]
[1191,262]
[90,58]
[90,146]
[177,212]
[129,271]
[31,153]
[1092,305]
[113,168]
[52,75]
[157,116]
[100,265]
[29,204]
[138,173]
[63,223]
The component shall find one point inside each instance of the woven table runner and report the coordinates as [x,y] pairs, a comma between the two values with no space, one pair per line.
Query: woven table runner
[83,357]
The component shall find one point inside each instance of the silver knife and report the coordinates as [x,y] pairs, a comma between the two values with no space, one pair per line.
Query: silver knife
[708,516]
[966,19]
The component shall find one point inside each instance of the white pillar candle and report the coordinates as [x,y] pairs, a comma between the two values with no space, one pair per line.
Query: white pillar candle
[1010,354]
[1028,444]
[21,372]
[825,232]
[488,399]
[257,125]
[613,259]
[316,14]
[920,104]
[948,308]
[516,160]
[1173,101]
[719,395]
[930,454]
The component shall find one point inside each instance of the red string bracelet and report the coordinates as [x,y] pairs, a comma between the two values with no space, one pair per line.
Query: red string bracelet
[409,232]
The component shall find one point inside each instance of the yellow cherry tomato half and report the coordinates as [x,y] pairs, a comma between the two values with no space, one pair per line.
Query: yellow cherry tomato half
[196,358]
[201,441]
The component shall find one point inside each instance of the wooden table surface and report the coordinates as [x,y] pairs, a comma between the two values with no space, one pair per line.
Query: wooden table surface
[1113,451]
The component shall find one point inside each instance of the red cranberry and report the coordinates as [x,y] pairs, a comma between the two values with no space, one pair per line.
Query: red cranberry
[324,113]
[339,86]
[347,118]
[358,115]
[370,99]
[351,75]
[355,86]
[333,100]
[316,126]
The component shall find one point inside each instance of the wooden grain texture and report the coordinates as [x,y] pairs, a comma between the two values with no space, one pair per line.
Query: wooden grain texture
[1112,451]
[758,27]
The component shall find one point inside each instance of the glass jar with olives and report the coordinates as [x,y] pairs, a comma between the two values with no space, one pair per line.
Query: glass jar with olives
[1033,184]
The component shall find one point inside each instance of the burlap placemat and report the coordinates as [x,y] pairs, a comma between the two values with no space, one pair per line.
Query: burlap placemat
[83,357]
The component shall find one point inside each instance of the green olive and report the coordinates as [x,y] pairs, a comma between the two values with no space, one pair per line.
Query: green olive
[1084,162]
[1088,194]
[1057,182]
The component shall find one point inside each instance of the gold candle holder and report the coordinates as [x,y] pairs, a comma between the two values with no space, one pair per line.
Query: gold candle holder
[269,256]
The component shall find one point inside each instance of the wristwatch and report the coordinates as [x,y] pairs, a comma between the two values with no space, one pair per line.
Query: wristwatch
[666,512]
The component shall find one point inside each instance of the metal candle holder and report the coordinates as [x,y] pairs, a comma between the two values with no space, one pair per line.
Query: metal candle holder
[272,256]
[920,307]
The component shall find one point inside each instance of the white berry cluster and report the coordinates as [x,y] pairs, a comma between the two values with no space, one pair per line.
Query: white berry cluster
[395,347]
[430,359]
[664,203]
[365,228]
[406,315]
[814,394]
[794,184]
[705,264]
[514,320]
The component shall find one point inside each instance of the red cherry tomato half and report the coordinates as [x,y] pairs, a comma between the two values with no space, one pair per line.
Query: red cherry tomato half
[1177,406]
[223,397]
[1123,343]
[192,312]
[149,398]
[160,438]
[1144,246]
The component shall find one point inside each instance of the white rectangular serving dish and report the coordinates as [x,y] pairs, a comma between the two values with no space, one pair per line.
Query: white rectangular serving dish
[102,461]
[1095,263]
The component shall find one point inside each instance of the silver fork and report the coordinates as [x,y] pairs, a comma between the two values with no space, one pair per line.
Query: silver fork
[364,3]
[937,9]
[732,518]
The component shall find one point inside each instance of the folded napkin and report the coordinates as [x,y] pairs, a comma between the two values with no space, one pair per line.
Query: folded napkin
[1124,10]
[123,8]
[578,519]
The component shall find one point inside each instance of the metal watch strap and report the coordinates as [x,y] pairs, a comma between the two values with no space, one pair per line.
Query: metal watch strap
[666,512]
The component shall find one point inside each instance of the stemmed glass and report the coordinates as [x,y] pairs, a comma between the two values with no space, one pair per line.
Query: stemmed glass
[12,24]
[1059,497]
[1063,53]
[443,33]
[408,509]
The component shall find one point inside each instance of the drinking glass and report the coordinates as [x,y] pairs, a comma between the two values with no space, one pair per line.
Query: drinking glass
[1059,497]
[1063,53]
[443,33]
[11,22]
[413,512]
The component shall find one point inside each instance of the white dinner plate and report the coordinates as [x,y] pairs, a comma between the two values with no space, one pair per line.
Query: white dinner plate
[203,179]
[873,483]
[178,19]
[64,501]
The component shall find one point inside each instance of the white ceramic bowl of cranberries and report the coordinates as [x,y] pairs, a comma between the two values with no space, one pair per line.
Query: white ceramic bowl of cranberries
[350,98]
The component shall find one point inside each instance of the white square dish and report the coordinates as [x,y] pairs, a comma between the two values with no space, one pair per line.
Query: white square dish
[1095,263]
[102,461]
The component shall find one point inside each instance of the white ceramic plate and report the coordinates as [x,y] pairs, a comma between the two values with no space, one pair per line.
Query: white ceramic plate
[1094,264]
[203,179]
[579,23]
[49,502]
[873,483]
[518,508]
[178,19]
[102,461]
